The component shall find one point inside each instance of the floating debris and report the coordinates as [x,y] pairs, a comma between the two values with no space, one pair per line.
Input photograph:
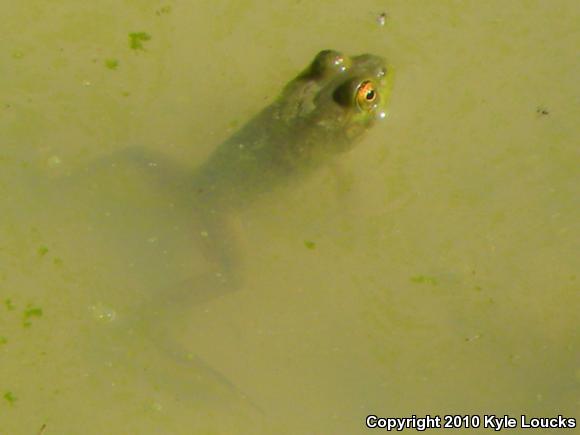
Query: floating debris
[136,40]
[163,10]
[424,279]
[473,338]
[112,63]
[8,304]
[382,19]
[309,244]
[542,111]
[29,313]
[10,397]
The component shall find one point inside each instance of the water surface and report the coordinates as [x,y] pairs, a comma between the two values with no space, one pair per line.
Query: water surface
[437,273]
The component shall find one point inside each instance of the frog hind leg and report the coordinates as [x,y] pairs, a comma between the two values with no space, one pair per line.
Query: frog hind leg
[217,234]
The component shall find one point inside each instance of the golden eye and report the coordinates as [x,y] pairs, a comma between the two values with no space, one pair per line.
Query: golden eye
[366,95]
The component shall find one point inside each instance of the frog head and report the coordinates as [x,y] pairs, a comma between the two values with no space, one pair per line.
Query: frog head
[334,101]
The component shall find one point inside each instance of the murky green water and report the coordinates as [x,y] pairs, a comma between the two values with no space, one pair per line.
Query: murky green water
[437,275]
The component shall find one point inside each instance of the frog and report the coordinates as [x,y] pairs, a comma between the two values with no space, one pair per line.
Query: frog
[320,114]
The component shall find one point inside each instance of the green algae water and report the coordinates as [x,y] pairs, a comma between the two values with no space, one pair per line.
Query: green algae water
[432,269]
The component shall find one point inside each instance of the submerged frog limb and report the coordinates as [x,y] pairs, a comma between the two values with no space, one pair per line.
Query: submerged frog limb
[214,227]
[147,324]
[137,345]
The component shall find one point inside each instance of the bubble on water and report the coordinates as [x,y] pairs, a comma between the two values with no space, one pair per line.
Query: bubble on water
[53,162]
[382,19]
[103,313]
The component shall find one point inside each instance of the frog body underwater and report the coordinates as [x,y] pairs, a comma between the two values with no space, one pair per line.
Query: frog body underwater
[323,112]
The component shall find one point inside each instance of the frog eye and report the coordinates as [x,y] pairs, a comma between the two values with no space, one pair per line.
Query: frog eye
[357,92]
[366,95]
